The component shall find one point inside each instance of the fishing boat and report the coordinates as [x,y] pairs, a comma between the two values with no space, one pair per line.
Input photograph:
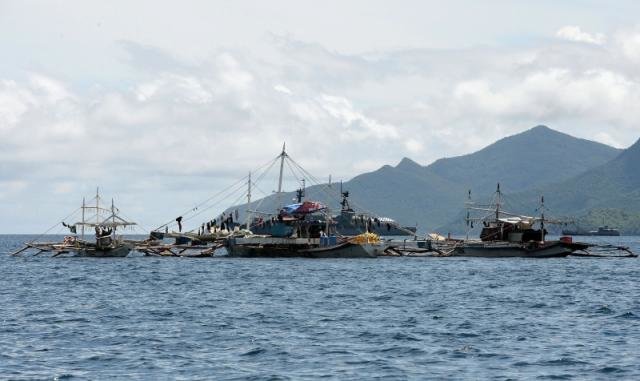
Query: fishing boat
[302,229]
[347,223]
[299,234]
[105,223]
[505,234]
[351,223]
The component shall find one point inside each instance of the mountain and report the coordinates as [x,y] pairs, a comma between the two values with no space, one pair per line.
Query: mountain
[615,184]
[432,195]
[532,158]
[626,221]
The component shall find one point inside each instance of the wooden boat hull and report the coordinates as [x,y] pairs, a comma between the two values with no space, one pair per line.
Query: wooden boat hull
[115,252]
[511,250]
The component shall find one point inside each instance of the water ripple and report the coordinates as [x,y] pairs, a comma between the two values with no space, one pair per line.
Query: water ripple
[396,318]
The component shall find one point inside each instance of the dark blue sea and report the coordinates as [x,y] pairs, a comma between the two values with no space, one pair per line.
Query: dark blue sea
[391,318]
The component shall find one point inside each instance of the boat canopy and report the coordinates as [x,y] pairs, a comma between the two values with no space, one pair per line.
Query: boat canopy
[302,208]
[109,222]
[523,222]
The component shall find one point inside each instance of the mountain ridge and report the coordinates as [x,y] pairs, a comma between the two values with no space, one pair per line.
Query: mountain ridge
[432,195]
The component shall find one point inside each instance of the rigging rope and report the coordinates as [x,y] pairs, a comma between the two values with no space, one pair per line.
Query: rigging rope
[197,206]
[330,191]
[57,223]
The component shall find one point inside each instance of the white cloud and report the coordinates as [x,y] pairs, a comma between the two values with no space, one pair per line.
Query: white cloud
[413,145]
[628,42]
[357,125]
[232,73]
[14,102]
[574,33]
[282,89]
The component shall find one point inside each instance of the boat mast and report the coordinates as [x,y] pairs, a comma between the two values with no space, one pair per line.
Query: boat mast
[249,202]
[82,226]
[498,202]
[113,218]
[542,219]
[97,205]
[283,155]
[468,213]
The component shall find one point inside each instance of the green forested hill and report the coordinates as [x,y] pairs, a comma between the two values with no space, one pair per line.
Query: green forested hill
[613,187]
[432,195]
[627,221]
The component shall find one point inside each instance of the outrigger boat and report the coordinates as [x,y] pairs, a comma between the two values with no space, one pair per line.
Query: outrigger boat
[105,224]
[303,229]
[308,237]
[505,234]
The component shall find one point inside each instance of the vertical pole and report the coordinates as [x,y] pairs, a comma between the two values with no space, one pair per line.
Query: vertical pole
[542,219]
[282,156]
[498,201]
[327,218]
[82,227]
[249,203]
[468,214]
[97,205]
[113,219]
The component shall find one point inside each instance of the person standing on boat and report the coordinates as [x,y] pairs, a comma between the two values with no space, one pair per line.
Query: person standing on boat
[179,221]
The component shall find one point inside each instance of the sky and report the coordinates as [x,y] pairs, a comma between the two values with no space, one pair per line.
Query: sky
[165,104]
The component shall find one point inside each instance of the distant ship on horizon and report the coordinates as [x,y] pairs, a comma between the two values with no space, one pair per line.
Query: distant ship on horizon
[603,231]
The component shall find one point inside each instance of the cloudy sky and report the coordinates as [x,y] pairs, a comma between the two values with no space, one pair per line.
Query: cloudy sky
[164,104]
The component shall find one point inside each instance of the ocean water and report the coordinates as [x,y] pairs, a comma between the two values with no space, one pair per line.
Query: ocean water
[270,319]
